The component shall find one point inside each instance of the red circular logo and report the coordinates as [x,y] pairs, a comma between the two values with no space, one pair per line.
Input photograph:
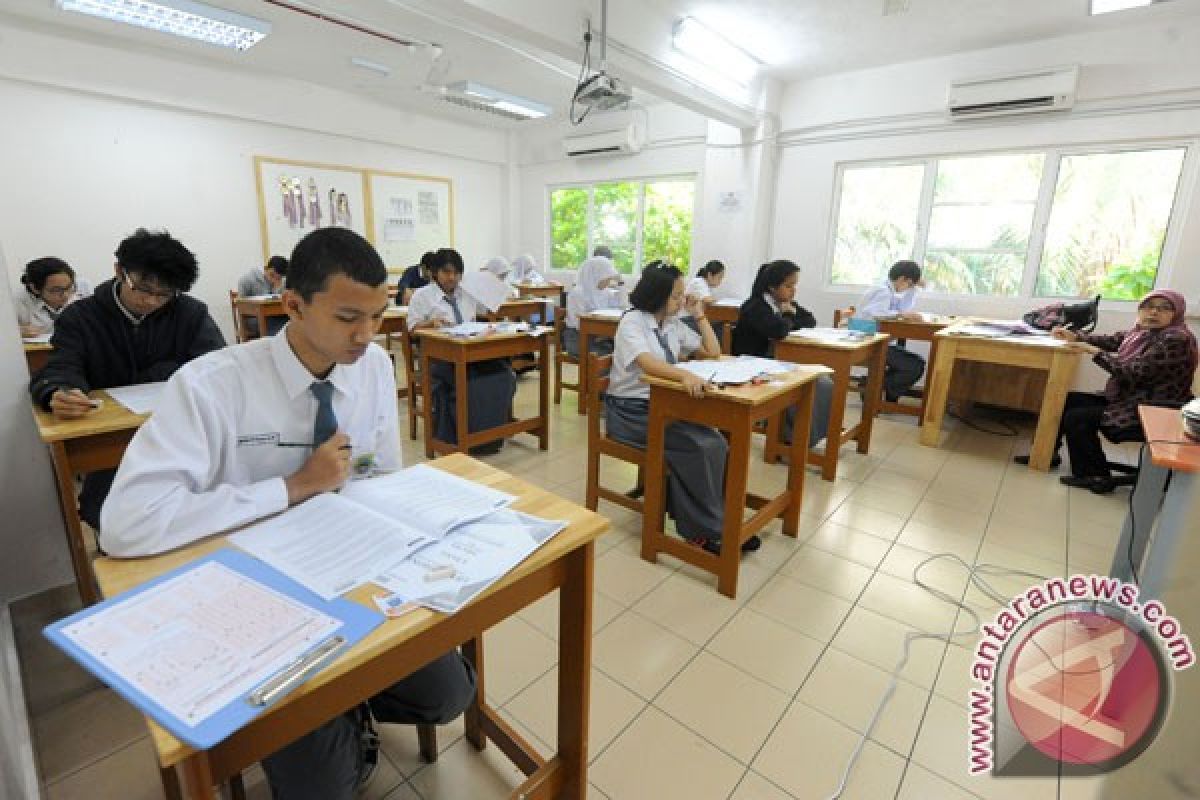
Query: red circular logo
[1084,688]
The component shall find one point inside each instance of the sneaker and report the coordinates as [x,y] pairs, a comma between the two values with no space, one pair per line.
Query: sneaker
[1055,461]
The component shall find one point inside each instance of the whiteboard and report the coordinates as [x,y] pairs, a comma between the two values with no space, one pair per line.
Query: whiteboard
[409,214]
[317,196]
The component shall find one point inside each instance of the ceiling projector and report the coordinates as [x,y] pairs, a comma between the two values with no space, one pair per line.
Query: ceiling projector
[1190,416]
[602,93]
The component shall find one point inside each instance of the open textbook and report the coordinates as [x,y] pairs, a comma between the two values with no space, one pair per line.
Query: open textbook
[334,543]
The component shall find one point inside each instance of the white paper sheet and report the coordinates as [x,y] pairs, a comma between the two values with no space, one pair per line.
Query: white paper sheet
[331,544]
[615,313]
[201,640]
[486,288]
[428,499]
[446,575]
[735,371]
[728,301]
[468,328]
[834,335]
[141,398]
[41,338]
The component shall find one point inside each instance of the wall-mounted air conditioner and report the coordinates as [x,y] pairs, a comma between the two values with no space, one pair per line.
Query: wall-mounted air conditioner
[625,140]
[1048,89]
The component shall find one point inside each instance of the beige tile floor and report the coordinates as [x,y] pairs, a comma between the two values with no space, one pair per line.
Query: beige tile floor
[696,696]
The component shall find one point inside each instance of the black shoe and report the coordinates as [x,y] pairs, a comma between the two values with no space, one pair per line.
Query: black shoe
[1055,461]
[368,747]
[714,545]
[751,544]
[1077,482]
[1102,486]
[892,398]
[636,492]
[489,449]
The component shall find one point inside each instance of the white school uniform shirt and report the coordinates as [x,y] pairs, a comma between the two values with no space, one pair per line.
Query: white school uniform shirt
[696,287]
[884,300]
[34,311]
[429,302]
[635,335]
[210,457]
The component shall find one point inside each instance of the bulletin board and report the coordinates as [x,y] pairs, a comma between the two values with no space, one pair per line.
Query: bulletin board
[408,215]
[297,197]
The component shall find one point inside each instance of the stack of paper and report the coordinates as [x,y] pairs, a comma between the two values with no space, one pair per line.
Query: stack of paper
[615,313]
[837,335]
[468,328]
[736,371]
[41,338]
[998,327]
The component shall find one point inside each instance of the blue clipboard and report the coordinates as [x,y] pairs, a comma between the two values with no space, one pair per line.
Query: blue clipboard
[357,621]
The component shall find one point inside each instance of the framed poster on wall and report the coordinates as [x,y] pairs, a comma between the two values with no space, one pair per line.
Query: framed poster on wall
[297,197]
[409,214]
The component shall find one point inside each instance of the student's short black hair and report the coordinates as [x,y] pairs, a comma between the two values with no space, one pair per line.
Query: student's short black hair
[40,269]
[772,275]
[713,267]
[448,257]
[333,251]
[602,250]
[428,260]
[278,264]
[654,288]
[159,256]
[905,269]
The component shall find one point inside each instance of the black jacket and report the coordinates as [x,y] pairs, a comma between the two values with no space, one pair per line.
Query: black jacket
[759,327]
[97,347]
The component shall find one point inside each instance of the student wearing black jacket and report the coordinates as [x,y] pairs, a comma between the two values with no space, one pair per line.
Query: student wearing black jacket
[138,327]
[770,314]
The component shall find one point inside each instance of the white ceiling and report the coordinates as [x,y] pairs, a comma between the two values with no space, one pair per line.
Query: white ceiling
[795,38]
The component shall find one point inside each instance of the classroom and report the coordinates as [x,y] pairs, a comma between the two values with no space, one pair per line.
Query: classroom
[455,400]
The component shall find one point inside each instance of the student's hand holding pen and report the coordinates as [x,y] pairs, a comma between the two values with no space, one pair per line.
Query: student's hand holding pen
[695,385]
[326,470]
[71,404]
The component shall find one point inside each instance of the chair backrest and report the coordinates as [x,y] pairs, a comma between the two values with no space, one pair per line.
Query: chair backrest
[237,323]
[410,361]
[597,385]
[841,315]
[560,325]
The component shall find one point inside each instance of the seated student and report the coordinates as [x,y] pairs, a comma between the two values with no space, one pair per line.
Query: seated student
[262,283]
[500,268]
[651,339]
[139,327]
[707,278]
[50,286]
[209,461]
[896,297]
[524,270]
[596,287]
[492,383]
[770,314]
[1153,364]
[415,277]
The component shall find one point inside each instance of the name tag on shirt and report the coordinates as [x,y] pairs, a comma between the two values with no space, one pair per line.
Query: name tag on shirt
[258,439]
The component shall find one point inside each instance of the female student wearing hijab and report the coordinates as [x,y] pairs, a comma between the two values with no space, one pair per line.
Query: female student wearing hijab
[701,286]
[1153,364]
[492,384]
[524,270]
[597,287]
[651,339]
[50,286]
[770,314]
[499,266]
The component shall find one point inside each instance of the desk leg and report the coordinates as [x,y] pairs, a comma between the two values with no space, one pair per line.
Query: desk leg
[585,368]
[655,480]
[575,670]
[70,510]
[462,417]
[1174,545]
[799,447]
[875,370]
[736,470]
[933,352]
[262,322]
[727,338]
[837,419]
[937,391]
[198,778]
[544,398]
[1058,382]
[473,716]
[427,401]
[1147,497]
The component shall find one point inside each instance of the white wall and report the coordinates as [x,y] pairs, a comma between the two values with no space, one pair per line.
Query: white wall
[99,153]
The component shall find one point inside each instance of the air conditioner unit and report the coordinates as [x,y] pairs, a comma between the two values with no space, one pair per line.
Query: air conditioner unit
[1049,89]
[625,140]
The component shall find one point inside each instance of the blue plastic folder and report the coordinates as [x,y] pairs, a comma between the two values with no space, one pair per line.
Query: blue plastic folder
[357,621]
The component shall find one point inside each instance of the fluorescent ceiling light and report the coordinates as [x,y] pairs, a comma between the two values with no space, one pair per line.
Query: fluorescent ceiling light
[713,51]
[179,17]
[1107,6]
[501,100]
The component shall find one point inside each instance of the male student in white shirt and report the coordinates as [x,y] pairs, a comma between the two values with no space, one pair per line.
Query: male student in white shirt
[896,298]
[250,430]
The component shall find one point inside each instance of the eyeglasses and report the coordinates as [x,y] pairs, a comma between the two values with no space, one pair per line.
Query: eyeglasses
[59,291]
[1165,308]
[155,294]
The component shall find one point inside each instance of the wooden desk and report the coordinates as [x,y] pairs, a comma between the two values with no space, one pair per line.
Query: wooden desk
[37,354]
[95,442]
[553,291]
[727,315]
[461,351]
[602,326]
[841,357]
[259,308]
[400,646]
[733,411]
[394,320]
[1041,353]
[920,330]
[521,310]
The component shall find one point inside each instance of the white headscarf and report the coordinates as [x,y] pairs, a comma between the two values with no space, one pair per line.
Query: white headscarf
[586,295]
[524,270]
[498,266]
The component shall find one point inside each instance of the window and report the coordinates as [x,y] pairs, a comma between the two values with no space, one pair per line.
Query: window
[1108,223]
[640,220]
[1050,224]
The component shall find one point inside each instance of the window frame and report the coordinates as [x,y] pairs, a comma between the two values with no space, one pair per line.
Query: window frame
[1042,210]
[639,238]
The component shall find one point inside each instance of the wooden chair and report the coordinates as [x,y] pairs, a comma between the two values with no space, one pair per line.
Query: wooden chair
[561,356]
[599,444]
[413,378]
[841,315]
[237,321]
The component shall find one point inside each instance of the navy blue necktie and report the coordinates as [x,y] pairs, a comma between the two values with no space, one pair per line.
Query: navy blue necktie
[454,305]
[666,346]
[326,423]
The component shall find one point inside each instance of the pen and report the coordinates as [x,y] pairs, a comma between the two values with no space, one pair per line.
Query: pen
[296,671]
[308,444]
